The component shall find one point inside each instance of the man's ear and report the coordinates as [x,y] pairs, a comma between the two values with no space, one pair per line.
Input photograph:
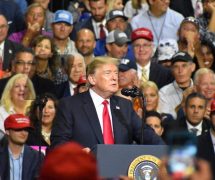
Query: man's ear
[91,79]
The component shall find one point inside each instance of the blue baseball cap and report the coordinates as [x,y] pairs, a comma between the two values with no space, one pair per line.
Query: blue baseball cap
[63,16]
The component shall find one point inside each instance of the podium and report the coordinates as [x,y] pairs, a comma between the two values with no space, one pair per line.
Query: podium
[115,160]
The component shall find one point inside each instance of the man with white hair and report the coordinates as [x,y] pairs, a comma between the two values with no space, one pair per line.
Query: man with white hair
[75,68]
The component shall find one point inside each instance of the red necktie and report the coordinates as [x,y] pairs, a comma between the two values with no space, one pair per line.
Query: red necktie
[102,31]
[107,129]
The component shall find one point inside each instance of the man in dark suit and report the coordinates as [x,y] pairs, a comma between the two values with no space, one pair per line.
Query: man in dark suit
[7,47]
[13,14]
[142,42]
[26,161]
[96,23]
[206,142]
[193,121]
[98,116]
[24,63]
[75,68]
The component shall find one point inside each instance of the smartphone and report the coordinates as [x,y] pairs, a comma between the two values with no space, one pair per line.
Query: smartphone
[181,155]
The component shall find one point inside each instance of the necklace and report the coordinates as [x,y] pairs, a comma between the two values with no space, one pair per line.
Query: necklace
[46,135]
[157,35]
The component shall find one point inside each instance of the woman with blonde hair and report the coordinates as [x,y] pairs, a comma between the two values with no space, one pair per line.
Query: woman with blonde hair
[16,97]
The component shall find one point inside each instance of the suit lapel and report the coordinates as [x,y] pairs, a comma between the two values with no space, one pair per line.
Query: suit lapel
[116,121]
[93,119]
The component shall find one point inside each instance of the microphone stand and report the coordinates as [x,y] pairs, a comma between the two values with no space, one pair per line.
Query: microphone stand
[41,104]
[135,92]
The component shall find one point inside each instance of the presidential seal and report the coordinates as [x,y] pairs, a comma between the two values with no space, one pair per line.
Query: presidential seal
[144,168]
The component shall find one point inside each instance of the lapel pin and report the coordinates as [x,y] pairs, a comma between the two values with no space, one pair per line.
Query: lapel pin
[117,107]
[10,51]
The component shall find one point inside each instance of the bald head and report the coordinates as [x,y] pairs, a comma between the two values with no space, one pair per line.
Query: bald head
[85,42]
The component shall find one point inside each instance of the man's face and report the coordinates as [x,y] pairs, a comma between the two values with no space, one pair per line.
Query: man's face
[182,72]
[116,51]
[98,10]
[116,23]
[17,137]
[127,78]
[24,63]
[43,3]
[35,15]
[85,42]
[76,70]
[195,110]
[155,123]
[105,80]
[159,5]
[61,30]
[206,85]
[143,50]
[3,28]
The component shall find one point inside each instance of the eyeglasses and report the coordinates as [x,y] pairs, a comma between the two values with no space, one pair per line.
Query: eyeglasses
[4,26]
[144,46]
[22,63]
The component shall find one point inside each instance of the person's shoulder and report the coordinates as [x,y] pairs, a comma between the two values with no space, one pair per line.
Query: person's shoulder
[175,15]
[165,89]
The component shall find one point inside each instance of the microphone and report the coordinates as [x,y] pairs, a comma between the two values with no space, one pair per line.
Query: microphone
[133,92]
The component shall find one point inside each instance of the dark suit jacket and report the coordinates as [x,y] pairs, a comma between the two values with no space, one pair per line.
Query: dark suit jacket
[206,150]
[77,120]
[12,12]
[41,85]
[30,166]
[181,125]
[10,49]
[160,75]
[62,90]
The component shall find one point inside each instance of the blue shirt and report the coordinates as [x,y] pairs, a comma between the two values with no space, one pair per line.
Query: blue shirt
[164,27]
[16,165]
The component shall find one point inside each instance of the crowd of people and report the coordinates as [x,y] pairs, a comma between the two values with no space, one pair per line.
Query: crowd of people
[102,72]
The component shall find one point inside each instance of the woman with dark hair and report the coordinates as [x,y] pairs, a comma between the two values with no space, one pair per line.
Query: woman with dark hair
[40,136]
[208,53]
[48,62]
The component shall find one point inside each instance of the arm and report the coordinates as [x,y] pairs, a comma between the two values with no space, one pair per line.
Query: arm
[63,125]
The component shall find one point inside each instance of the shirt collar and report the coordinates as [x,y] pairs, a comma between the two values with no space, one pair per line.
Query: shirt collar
[98,23]
[20,155]
[146,67]
[199,126]
[97,100]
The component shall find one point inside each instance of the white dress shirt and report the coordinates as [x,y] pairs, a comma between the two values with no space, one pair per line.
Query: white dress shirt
[96,27]
[198,127]
[71,88]
[97,101]
[146,67]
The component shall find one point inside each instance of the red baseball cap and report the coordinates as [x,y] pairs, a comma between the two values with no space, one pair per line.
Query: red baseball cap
[17,121]
[213,105]
[142,33]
